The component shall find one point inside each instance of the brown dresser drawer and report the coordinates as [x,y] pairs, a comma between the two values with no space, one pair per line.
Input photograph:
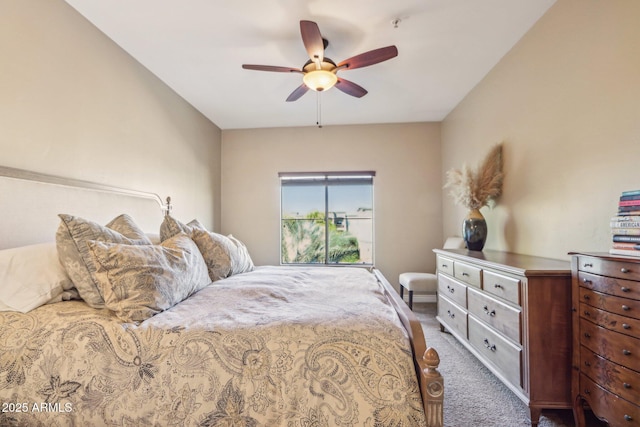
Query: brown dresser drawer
[505,356]
[606,267]
[610,285]
[502,317]
[444,265]
[614,322]
[616,347]
[623,306]
[452,316]
[615,410]
[468,273]
[454,290]
[615,378]
[502,286]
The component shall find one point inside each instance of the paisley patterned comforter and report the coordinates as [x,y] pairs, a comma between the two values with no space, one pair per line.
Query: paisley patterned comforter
[278,346]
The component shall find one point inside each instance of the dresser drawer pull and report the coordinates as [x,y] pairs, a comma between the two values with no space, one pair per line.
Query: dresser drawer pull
[626,385]
[586,313]
[626,352]
[628,418]
[464,273]
[445,265]
[624,270]
[587,391]
[587,335]
[626,326]
[451,315]
[497,286]
[626,308]
[487,312]
[587,363]
[625,289]
[491,347]
[587,297]
[585,280]
[450,289]
[588,264]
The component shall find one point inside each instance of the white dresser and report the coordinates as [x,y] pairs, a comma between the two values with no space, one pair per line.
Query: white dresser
[513,312]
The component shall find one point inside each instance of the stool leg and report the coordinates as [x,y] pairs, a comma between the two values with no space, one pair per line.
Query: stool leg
[410,299]
[401,291]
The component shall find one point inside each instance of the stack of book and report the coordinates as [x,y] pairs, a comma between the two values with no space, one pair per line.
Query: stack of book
[625,227]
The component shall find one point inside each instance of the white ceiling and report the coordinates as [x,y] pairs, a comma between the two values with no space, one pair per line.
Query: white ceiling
[197,47]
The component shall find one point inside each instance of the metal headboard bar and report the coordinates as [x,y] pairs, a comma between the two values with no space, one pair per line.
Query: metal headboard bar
[16,173]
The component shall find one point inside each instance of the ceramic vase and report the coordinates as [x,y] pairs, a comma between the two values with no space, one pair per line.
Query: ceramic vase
[474,230]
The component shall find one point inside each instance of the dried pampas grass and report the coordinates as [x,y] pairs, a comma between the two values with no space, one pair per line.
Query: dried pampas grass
[477,189]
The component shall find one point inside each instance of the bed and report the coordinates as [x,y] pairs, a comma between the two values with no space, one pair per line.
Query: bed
[257,346]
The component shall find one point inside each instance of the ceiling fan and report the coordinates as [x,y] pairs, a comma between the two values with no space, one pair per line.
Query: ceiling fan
[319,73]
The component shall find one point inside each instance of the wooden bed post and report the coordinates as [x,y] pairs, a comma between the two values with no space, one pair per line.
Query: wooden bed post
[426,360]
[432,389]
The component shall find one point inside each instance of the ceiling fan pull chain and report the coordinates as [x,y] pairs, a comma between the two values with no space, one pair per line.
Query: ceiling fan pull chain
[319,109]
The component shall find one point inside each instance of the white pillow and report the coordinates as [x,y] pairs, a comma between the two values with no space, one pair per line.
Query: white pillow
[31,276]
[240,258]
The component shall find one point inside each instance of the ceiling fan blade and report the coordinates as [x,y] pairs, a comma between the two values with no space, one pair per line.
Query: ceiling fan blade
[369,58]
[350,88]
[271,68]
[312,40]
[296,94]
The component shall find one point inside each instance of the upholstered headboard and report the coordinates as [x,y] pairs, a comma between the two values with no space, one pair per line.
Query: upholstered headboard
[30,203]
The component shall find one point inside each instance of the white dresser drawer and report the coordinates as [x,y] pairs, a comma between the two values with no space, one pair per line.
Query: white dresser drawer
[468,273]
[502,286]
[504,355]
[444,265]
[502,317]
[454,290]
[453,316]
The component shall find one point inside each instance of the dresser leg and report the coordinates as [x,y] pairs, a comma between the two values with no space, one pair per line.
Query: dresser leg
[578,412]
[535,416]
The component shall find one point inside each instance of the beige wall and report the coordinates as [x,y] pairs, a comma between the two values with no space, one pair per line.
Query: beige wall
[566,102]
[72,103]
[407,198]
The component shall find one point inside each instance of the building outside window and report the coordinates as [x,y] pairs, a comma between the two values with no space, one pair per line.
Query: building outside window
[327,218]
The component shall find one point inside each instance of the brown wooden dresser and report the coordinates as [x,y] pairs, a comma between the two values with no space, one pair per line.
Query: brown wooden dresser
[513,312]
[606,338]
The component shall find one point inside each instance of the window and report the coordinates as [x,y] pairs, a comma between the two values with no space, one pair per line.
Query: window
[326,218]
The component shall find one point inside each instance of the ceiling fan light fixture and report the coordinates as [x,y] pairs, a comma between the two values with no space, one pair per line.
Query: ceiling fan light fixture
[320,80]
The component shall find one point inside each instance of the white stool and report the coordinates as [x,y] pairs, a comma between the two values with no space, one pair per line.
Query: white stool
[420,282]
[426,282]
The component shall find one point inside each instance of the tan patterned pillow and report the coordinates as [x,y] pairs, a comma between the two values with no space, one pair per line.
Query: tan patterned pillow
[71,241]
[224,255]
[139,282]
[215,249]
[171,226]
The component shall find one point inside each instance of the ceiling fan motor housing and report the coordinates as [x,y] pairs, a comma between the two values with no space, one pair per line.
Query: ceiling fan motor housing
[327,64]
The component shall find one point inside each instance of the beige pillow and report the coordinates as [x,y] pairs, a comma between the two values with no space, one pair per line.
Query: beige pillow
[171,226]
[71,241]
[241,261]
[224,255]
[140,281]
[215,249]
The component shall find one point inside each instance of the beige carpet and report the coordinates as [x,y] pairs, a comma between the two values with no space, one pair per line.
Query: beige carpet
[473,395]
